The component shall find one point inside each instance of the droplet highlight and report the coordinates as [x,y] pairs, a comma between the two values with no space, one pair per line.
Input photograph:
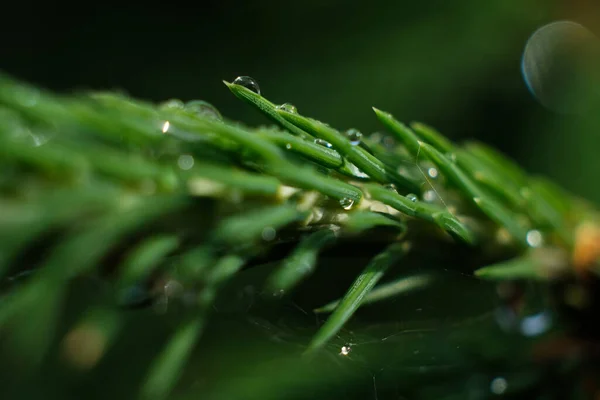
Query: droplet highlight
[392,187]
[534,238]
[346,350]
[354,136]
[323,143]
[346,203]
[172,104]
[412,197]
[432,172]
[287,107]
[247,82]
[203,109]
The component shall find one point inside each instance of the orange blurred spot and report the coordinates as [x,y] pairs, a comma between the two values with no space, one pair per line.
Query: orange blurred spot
[587,248]
[84,346]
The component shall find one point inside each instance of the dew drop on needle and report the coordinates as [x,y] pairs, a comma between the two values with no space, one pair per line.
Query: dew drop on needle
[323,143]
[354,136]
[346,203]
[287,107]
[202,108]
[247,82]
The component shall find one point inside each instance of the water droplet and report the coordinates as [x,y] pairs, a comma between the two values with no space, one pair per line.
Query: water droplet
[288,146]
[173,104]
[354,136]
[392,187]
[498,385]
[248,83]
[429,196]
[268,233]
[451,157]
[560,66]
[534,238]
[185,161]
[287,107]
[323,143]
[203,109]
[412,197]
[357,172]
[432,172]
[166,126]
[346,203]
[345,350]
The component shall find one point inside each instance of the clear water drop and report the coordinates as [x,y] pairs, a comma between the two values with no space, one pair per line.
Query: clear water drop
[432,172]
[346,203]
[247,82]
[172,104]
[354,136]
[323,143]
[392,187]
[412,197]
[357,172]
[287,107]
[185,162]
[203,109]
[288,146]
[451,157]
[560,66]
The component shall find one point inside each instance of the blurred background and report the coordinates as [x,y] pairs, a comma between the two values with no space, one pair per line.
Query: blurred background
[455,65]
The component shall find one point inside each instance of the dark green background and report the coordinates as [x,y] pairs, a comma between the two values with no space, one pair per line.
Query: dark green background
[453,64]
